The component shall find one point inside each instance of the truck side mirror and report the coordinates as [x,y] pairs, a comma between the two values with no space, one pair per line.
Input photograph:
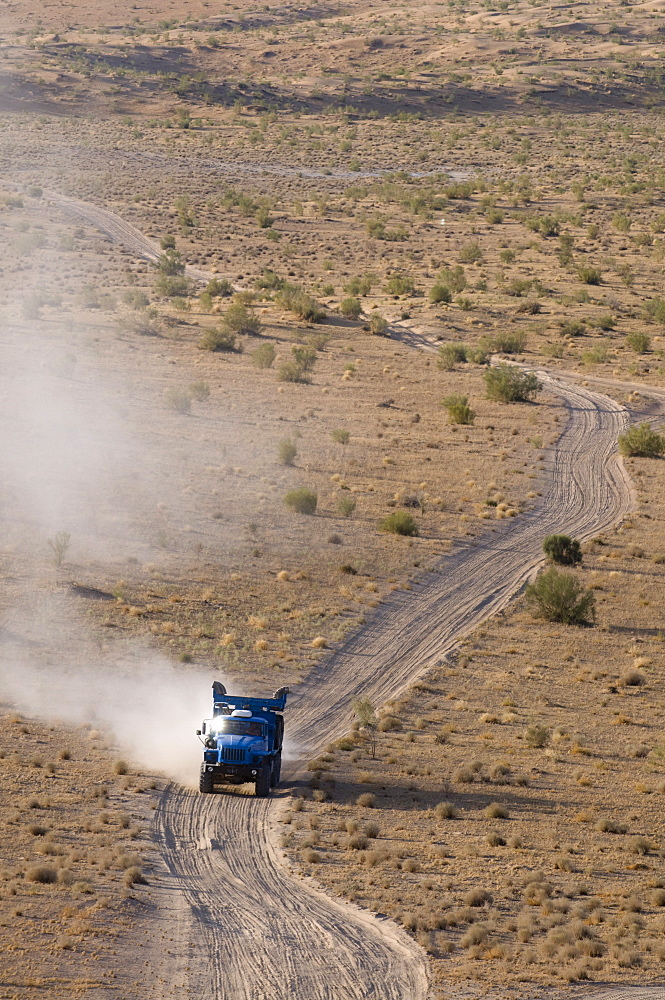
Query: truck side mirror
[198,732]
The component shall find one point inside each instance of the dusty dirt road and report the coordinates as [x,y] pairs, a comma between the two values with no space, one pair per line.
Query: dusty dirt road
[253,930]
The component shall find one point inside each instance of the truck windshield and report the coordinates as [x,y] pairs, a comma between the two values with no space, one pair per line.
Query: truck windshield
[238,727]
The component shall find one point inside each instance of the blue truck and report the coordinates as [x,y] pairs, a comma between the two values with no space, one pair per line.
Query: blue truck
[243,741]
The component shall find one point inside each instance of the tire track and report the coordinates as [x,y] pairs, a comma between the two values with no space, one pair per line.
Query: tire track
[258,932]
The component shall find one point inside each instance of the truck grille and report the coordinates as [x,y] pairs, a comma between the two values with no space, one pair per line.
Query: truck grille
[233,755]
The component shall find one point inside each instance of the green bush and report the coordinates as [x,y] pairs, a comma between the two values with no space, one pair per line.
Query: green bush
[297,301]
[287,452]
[219,340]
[453,278]
[302,501]
[400,522]
[297,370]
[655,309]
[170,262]
[264,218]
[167,242]
[471,253]
[508,384]
[178,400]
[590,275]
[346,505]
[172,285]
[270,281]
[239,319]
[546,225]
[218,287]
[562,549]
[450,355]
[642,441]
[560,597]
[378,324]
[350,308]
[340,436]
[400,284]
[639,342]
[459,411]
[509,343]
[264,356]
[440,293]
[572,328]
[360,285]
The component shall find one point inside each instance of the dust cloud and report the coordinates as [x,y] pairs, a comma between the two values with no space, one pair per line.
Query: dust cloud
[147,707]
[72,461]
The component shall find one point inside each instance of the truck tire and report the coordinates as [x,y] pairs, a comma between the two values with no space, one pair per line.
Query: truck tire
[276,770]
[263,782]
[206,783]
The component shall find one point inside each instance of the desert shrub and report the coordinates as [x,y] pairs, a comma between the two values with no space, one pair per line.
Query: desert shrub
[440,293]
[296,300]
[218,287]
[572,328]
[562,549]
[590,275]
[135,299]
[178,400]
[340,436]
[270,281]
[471,253]
[167,242]
[509,343]
[495,811]
[546,225]
[445,810]
[480,354]
[170,263]
[641,440]
[560,597]
[357,842]
[287,451]
[350,308]
[174,285]
[133,876]
[291,371]
[346,505]
[200,391]
[639,845]
[388,724]
[459,411]
[508,384]
[302,500]
[655,309]
[239,319]
[400,522]
[367,799]
[219,339]
[59,546]
[264,356]
[632,678]
[450,355]
[400,284]
[610,826]
[41,874]
[537,736]
[378,324]
[478,897]
[360,285]
[639,342]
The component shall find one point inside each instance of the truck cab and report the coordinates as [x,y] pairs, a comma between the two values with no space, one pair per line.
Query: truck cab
[243,741]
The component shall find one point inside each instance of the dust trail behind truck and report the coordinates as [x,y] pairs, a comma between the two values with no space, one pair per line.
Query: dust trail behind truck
[243,741]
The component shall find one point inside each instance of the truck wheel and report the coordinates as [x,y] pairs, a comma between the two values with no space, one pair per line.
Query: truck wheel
[276,770]
[262,783]
[206,783]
